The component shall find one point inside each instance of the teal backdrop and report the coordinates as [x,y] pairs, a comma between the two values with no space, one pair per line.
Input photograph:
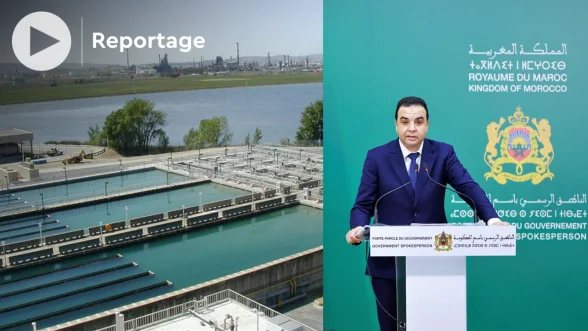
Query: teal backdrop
[458,56]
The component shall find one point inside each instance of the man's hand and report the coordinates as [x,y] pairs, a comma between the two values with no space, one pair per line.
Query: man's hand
[500,223]
[353,236]
[496,221]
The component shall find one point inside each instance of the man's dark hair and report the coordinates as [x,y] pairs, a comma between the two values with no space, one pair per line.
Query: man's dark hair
[411,101]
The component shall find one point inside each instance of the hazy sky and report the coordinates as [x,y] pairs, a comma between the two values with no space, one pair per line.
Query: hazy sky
[260,26]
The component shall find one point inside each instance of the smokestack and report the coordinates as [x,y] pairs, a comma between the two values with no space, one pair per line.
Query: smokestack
[159,55]
[238,64]
[128,66]
[269,62]
[201,61]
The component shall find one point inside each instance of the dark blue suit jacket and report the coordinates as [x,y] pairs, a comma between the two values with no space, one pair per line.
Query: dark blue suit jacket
[384,169]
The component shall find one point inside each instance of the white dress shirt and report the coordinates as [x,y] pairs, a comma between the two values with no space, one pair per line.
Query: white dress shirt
[407,160]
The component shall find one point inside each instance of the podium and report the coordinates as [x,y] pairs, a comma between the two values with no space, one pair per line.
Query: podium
[431,267]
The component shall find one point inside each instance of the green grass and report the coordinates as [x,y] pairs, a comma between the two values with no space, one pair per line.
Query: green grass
[44,92]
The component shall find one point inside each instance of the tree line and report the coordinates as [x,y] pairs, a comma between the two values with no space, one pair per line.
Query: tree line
[137,129]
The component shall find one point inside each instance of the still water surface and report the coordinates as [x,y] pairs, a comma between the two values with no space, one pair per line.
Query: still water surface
[195,257]
[275,109]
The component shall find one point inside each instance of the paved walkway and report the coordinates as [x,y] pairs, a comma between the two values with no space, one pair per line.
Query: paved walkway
[99,197]
[144,229]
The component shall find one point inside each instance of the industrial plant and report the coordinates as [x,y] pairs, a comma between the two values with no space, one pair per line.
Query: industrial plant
[212,239]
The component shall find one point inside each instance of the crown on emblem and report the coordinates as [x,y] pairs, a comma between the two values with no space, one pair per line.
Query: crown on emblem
[518,118]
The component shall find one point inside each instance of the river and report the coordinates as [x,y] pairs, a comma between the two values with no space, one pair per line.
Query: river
[275,109]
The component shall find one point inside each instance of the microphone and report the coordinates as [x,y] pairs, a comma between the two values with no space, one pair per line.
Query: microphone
[460,194]
[365,230]
[416,172]
[366,237]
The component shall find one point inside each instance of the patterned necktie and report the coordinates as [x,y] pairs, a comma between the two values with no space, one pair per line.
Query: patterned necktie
[413,157]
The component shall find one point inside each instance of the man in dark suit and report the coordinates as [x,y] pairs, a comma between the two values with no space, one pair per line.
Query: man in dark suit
[391,165]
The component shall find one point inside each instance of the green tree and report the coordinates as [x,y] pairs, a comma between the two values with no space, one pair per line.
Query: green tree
[215,131]
[311,123]
[162,140]
[131,129]
[95,136]
[247,140]
[193,139]
[257,136]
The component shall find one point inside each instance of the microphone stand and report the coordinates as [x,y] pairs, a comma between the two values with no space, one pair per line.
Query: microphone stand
[365,233]
[460,194]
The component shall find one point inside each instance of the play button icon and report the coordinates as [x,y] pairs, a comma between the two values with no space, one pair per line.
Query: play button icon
[41,41]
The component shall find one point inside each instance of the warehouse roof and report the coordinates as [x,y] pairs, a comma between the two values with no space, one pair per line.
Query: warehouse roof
[14,136]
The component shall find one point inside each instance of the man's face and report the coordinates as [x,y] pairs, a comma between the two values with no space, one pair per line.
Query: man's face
[412,126]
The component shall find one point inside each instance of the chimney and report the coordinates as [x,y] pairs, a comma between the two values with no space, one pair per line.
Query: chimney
[238,64]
